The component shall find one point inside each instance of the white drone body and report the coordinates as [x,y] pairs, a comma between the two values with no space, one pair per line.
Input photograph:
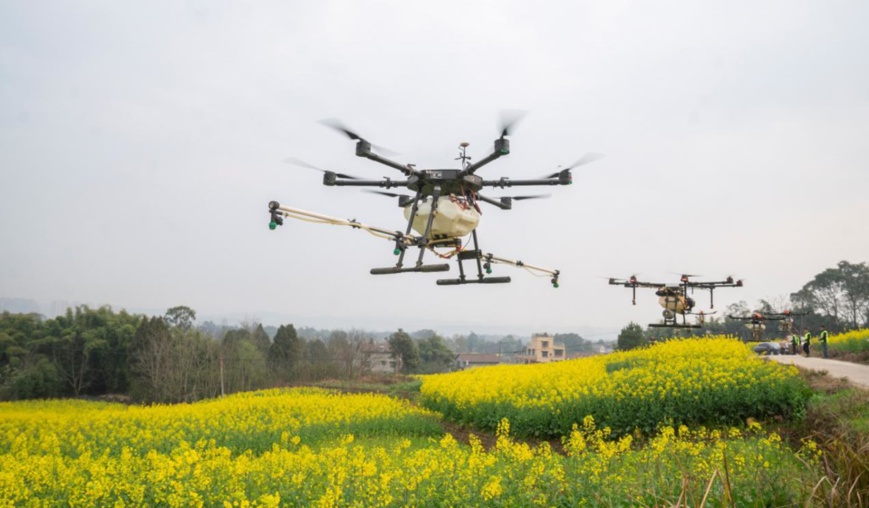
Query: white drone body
[454,218]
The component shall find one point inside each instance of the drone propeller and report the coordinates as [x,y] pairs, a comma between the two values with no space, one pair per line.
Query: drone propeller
[535,196]
[585,159]
[336,124]
[388,194]
[509,119]
[301,163]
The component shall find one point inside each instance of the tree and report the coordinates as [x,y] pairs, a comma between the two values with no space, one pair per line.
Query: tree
[841,293]
[573,343]
[317,360]
[435,355]
[261,339]
[631,337]
[404,349]
[74,340]
[286,352]
[180,316]
[151,355]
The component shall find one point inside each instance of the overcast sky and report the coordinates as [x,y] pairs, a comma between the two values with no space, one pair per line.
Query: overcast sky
[141,142]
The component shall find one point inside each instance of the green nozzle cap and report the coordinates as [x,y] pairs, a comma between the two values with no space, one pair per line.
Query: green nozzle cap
[488,270]
[397,251]
[504,151]
[273,225]
[555,285]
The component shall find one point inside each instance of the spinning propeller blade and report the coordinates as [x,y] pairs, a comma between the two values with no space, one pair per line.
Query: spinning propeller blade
[298,162]
[389,194]
[334,123]
[536,196]
[585,159]
[509,119]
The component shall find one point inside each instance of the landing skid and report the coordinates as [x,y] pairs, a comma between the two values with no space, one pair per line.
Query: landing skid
[484,280]
[421,268]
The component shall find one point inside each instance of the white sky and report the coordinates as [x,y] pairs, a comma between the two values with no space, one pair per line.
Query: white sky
[141,142]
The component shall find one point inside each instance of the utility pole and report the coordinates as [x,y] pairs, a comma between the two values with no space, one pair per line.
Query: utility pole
[221,376]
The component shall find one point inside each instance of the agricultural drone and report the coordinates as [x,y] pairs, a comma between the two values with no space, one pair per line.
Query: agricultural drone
[674,298]
[756,323]
[442,209]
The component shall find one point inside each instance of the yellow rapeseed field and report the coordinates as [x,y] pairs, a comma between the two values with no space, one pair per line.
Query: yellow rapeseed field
[708,380]
[314,447]
[853,341]
[93,454]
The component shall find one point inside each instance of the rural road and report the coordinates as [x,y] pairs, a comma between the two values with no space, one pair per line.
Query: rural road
[856,373]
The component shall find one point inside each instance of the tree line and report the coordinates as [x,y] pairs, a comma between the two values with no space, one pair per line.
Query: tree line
[99,352]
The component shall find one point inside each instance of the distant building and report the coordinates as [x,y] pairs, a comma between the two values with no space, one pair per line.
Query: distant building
[543,349]
[468,360]
[377,358]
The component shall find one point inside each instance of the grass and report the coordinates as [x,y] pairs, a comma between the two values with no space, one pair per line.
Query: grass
[837,419]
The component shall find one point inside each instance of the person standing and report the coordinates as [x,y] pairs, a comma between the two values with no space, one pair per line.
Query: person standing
[822,338]
[795,341]
[807,339]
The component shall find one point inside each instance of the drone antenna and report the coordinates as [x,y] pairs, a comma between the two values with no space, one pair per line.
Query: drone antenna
[463,146]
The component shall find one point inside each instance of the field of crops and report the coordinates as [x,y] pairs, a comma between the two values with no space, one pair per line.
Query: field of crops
[855,341]
[693,381]
[305,447]
[618,418]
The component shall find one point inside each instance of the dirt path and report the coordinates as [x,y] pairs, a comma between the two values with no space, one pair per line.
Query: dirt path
[856,373]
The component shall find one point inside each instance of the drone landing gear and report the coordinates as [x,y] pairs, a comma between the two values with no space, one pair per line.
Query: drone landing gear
[477,255]
[421,268]
[671,322]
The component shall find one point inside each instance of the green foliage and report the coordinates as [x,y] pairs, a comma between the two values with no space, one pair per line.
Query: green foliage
[573,343]
[180,317]
[435,355]
[404,348]
[841,293]
[34,378]
[631,337]
[286,352]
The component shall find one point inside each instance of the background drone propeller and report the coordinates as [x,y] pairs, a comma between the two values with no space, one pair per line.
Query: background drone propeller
[509,119]
[334,123]
[585,159]
[301,163]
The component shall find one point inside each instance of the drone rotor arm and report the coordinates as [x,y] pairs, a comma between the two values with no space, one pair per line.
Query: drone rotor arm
[384,184]
[500,204]
[506,182]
